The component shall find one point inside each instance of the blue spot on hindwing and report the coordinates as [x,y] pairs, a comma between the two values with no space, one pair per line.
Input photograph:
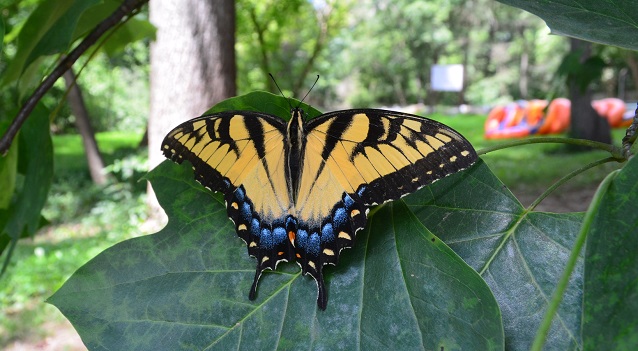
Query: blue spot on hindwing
[340,217]
[314,244]
[255,227]
[348,201]
[246,212]
[327,233]
[266,239]
[302,238]
[240,194]
[279,234]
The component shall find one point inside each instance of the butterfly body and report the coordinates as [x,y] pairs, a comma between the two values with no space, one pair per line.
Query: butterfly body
[301,190]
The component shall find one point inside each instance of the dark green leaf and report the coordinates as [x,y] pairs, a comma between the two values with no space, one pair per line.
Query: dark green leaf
[607,22]
[35,160]
[265,102]
[1,34]
[8,172]
[520,254]
[48,30]
[611,267]
[94,15]
[399,288]
[132,31]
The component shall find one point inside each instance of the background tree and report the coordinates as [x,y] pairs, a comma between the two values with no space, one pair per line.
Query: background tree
[581,69]
[192,64]
[83,125]
[290,39]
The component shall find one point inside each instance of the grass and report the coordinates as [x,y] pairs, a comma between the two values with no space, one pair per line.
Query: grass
[69,152]
[86,219]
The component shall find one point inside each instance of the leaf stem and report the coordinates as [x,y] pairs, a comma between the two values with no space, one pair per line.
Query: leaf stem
[615,152]
[557,296]
[566,178]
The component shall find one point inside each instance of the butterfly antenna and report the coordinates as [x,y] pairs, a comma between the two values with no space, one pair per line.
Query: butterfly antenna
[278,88]
[309,90]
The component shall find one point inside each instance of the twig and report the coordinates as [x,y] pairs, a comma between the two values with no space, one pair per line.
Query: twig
[127,7]
[630,136]
[559,291]
[615,152]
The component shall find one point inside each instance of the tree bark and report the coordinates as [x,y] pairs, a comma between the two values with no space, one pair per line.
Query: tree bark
[585,121]
[192,65]
[83,125]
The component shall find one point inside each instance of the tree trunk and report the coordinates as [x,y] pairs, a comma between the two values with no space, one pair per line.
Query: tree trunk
[192,66]
[585,121]
[83,125]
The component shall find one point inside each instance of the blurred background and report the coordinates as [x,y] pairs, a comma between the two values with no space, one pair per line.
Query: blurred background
[489,70]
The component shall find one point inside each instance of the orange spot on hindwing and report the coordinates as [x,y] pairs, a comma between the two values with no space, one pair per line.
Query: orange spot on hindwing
[291,237]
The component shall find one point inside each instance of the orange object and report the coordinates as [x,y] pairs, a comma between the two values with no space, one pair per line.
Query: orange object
[523,118]
[558,117]
[535,111]
[613,110]
[505,121]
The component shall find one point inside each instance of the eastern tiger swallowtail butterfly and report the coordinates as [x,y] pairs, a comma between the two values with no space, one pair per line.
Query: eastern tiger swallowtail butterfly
[300,190]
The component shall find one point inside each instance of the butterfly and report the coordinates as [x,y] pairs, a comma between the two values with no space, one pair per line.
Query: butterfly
[301,190]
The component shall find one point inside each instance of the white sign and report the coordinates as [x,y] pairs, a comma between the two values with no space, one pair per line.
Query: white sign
[447,77]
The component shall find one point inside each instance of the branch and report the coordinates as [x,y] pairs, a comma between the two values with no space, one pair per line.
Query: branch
[630,136]
[127,7]
[615,152]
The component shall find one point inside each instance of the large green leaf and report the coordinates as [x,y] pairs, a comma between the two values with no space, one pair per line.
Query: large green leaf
[186,286]
[520,254]
[35,163]
[607,22]
[131,31]
[48,30]
[265,102]
[611,267]
[117,39]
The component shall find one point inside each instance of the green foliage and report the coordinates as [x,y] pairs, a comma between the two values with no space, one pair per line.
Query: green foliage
[116,90]
[48,31]
[85,228]
[262,101]
[25,176]
[518,253]
[392,289]
[581,73]
[611,269]
[386,56]
[8,172]
[35,166]
[611,23]
[83,221]
[268,41]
